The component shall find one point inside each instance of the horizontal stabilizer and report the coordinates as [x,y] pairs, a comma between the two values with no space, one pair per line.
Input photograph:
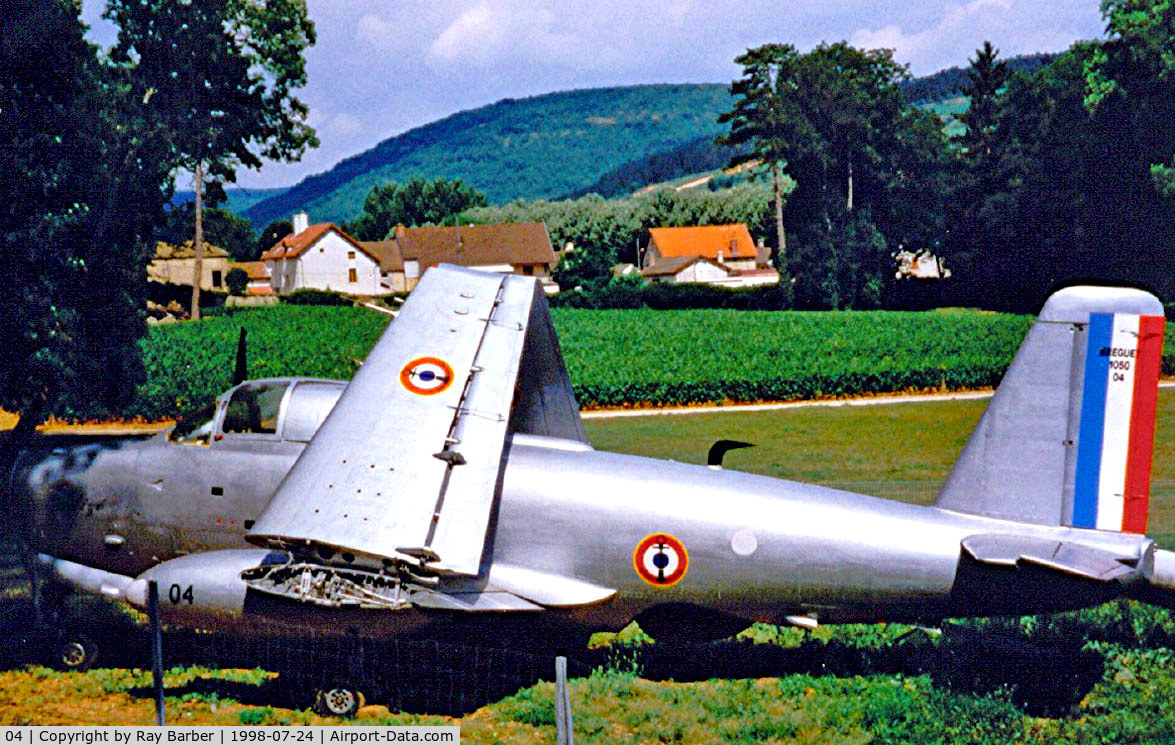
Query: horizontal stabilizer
[553,590]
[1070,558]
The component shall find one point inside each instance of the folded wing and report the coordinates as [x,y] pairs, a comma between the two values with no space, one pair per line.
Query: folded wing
[408,463]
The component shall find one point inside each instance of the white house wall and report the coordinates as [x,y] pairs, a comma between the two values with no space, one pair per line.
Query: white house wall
[699,271]
[327,265]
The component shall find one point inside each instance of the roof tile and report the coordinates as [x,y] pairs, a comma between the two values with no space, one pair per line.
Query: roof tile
[734,241]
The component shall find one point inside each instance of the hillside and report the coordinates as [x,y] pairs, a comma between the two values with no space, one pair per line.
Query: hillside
[950,82]
[238,199]
[516,148]
[607,140]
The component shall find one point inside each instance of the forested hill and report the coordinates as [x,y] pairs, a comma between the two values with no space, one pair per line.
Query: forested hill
[951,81]
[542,146]
[553,145]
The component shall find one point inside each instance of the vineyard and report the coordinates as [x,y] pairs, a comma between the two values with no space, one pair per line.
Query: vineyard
[627,357]
[620,358]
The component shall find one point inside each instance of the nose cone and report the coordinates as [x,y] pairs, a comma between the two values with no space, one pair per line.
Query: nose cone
[136,593]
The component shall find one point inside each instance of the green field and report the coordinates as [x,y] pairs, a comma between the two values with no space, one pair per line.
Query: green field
[621,358]
[617,358]
[1103,675]
[897,451]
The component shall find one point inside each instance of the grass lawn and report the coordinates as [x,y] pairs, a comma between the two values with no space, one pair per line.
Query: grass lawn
[898,451]
[856,684]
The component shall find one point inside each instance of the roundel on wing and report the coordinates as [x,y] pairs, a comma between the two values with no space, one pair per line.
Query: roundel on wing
[426,376]
[660,559]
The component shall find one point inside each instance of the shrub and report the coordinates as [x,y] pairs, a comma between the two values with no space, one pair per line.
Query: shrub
[237,281]
[316,297]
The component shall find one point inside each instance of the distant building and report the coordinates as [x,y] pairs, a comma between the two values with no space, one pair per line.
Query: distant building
[515,248]
[176,265]
[922,265]
[258,275]
[708,254]
[323,257]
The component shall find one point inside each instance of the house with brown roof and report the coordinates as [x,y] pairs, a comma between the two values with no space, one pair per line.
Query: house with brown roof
[177,265]
[709,254]
[515,248]
[258,275]
[324,257]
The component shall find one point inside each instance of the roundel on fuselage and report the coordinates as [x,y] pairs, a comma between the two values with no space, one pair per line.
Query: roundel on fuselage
[660,559]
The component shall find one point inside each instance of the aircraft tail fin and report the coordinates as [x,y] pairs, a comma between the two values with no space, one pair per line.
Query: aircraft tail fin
[1067,438]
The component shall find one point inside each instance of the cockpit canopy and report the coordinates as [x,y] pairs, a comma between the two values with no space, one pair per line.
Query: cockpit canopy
[290,409]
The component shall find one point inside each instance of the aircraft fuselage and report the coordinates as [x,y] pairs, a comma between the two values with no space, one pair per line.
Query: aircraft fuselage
[754,548]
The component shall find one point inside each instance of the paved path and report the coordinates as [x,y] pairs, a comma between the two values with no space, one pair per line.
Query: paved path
[880,400]
[116,428]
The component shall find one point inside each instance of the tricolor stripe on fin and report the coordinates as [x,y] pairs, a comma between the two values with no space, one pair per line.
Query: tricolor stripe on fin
[1116,436]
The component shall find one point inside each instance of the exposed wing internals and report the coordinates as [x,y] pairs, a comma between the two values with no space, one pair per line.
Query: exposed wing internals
[402,476]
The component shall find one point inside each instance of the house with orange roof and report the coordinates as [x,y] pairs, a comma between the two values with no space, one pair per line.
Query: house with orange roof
[324,257]
[711,254]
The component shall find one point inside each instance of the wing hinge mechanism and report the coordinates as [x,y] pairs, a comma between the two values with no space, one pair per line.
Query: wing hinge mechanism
[329,586]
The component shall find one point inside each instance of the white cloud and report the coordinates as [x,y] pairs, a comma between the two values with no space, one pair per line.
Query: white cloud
[376,30]
[1014,26]
[341,124]
[516,33]
[344,125]
[476,35]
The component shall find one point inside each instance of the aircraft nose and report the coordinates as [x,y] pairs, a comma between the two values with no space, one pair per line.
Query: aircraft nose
[136,593]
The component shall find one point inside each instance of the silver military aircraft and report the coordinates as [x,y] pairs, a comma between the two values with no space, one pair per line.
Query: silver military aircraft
[449,488]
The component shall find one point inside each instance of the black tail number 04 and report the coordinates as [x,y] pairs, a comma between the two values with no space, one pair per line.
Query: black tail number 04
[178,594]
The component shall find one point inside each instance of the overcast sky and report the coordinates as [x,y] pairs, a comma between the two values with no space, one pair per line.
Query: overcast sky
[385,66]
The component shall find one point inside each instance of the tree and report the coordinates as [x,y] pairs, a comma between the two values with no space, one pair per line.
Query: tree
[219,77]
[762,119]
[415,202]
[1072,197]
[221,228]
[82,181]
[979,181]
[836,120]
[1137,64]
[237,281]
[986,76]
[273,233]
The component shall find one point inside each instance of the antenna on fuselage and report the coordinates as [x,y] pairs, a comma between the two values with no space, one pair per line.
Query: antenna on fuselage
[719,449]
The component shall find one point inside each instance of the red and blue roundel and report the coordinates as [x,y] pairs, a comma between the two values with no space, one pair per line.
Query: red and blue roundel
[426,376]
[660,560]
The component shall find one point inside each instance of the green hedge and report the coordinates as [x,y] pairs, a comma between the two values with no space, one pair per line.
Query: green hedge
[620,357]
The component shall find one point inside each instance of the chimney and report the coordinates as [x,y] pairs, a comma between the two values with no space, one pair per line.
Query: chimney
[720,256]
[301,221]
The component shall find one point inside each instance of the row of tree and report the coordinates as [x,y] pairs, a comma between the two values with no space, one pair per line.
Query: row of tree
[1060,176]
[1062,173]
[1066,175]
[90,145]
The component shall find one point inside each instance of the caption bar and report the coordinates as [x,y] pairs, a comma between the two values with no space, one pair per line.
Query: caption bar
[226,735]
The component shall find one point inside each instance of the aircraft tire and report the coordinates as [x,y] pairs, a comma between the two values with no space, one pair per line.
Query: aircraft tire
[340,700]
[73,652]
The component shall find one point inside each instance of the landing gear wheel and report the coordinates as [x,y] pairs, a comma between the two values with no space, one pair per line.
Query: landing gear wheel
[339,700]
[74,652]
